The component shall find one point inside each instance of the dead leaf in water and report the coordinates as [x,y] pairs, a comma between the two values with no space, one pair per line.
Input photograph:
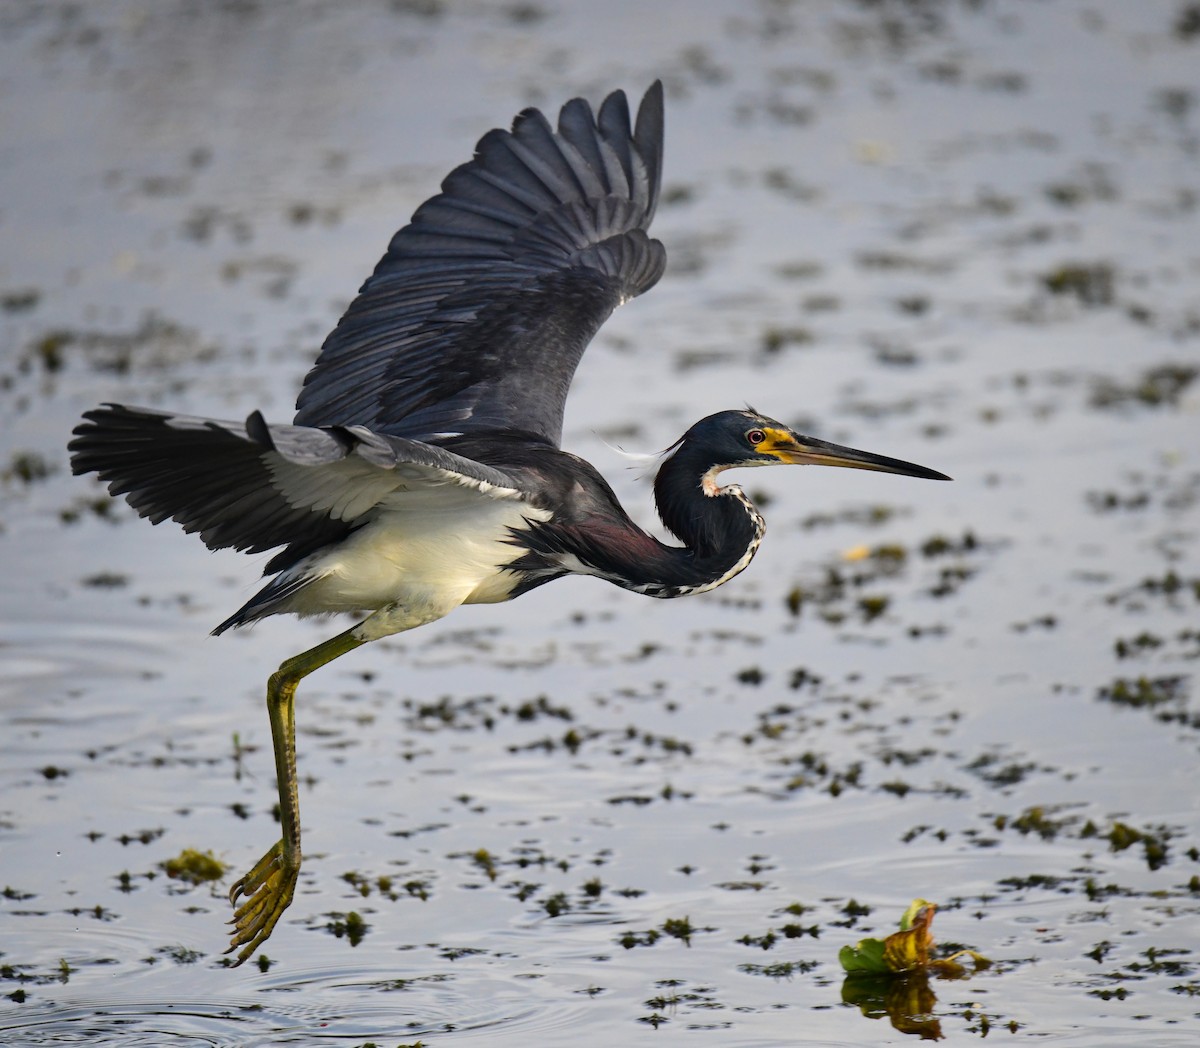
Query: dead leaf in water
[907,950]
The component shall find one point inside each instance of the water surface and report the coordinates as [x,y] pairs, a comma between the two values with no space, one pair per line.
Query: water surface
[964,234]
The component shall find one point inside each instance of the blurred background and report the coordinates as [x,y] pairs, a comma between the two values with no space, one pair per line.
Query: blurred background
[961,233]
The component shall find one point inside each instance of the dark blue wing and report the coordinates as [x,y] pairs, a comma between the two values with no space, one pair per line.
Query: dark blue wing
[253,487]
[478,314]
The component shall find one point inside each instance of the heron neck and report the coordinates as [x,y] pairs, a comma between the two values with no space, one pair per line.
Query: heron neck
[719,526]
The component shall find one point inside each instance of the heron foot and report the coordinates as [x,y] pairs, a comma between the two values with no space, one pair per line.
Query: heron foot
[266,891]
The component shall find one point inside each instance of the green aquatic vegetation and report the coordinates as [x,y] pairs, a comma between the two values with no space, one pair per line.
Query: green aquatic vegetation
[194,867]
[821,303]
[1111,501]
[743,886]
[666,743]
[26,975]
[486,861]
[802,677]
[154,343]
[1160,386]
[894,353]
[950,579]
[808,769]
[1034,820]
[1098,892]
[350,926]
[936,629]
[466,714]
[457,953]
[776,339]
[1091,283]
[364,885]
[557,904]
[1173,588]
[896,261]
[945,545]
[97,912]
[679,928]
[1144,692]
[888,554]
[179,954]
[630,939]
[19,300]
[766,941]
[855,516]
[1121,836]
[889,754]
[636,799]
[27,467]
[784,182]
[800,269]
[1163,961]
[1131,647]
[915,832]
[48,350]
[1044,622]
[873,607]
[789,929]
[675,998]
[105,580]
[853,909]
[101,506]
[793,930]
[836,594]
[1187,22]
[533,709]
[524,890]
[1092,183]
[913,305]
[1066,194]
[778,969]
[1117,994]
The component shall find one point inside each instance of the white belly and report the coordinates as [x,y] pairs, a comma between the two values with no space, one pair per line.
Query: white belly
[418,562]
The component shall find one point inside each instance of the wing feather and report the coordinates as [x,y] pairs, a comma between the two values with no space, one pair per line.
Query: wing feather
[253,486]
[478,314]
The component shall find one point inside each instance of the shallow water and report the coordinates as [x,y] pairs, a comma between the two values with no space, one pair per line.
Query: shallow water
[961,234]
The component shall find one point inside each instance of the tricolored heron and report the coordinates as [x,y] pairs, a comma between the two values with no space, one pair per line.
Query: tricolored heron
[423,469]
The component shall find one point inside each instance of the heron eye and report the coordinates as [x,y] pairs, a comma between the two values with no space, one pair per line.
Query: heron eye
[756,436]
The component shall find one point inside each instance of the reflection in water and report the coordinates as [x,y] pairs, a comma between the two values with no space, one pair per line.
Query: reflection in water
[907,1000]
[891,976]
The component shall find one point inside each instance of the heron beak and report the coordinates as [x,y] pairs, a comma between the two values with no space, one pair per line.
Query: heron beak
[809,451]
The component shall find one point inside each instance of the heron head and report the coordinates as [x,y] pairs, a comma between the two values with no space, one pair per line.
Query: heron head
[746,438]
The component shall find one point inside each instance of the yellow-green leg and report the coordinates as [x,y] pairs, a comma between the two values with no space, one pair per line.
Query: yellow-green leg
[267,890]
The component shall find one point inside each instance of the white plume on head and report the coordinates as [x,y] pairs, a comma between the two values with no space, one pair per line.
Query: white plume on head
[647,461]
